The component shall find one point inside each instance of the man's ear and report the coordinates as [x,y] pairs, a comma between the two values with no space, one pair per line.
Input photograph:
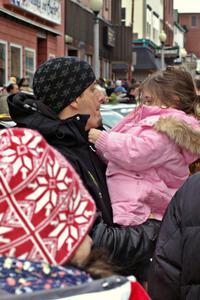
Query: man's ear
[74,104]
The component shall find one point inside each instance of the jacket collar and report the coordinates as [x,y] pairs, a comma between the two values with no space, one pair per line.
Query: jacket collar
[27,112]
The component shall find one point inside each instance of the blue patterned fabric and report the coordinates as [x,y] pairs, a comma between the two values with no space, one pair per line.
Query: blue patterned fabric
[18,276]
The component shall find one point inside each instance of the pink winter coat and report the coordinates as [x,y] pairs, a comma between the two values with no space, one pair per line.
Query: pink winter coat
[148,155]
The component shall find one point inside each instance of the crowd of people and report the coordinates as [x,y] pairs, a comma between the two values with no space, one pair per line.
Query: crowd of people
[68,186]
[11,88]
[120,91]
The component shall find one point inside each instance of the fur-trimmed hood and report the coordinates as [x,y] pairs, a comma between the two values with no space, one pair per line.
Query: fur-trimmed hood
[182,133]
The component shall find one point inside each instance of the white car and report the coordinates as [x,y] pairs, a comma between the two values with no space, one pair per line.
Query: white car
[110,118]
[123,109]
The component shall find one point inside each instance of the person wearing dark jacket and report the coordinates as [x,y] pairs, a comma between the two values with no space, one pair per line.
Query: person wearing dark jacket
[175,271]
[65,105]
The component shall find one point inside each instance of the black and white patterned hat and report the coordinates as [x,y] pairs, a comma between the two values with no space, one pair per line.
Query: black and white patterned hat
[59,81]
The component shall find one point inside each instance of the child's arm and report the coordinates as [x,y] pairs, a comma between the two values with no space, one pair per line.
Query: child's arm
[149,149]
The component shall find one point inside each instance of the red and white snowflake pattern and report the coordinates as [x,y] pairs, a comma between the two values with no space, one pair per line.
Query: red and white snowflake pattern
[45,212]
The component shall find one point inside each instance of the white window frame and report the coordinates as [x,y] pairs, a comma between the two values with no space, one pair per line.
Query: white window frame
[34,61]
[21,57]
[6,63]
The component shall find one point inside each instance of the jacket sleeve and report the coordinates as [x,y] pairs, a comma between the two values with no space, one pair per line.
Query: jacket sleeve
[164,277]
[127,246]
[147,150]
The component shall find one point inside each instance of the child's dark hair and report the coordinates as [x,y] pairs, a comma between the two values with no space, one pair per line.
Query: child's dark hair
[175,88]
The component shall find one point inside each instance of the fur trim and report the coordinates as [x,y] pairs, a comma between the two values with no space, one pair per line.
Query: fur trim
[180,132]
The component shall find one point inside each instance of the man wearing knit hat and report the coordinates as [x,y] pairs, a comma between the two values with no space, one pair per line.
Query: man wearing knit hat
[65,105]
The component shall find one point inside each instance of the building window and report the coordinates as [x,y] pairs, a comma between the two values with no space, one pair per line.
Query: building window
[148,30]
[16,61]
[155,35]
[194,21]
[30,64]
[123,16]
[156,28]
[149,21]
[3,63]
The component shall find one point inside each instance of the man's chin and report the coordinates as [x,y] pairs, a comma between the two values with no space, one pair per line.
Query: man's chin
[94,123]
[100,122]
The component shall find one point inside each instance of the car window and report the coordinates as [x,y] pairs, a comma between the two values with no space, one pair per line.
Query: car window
[110,118]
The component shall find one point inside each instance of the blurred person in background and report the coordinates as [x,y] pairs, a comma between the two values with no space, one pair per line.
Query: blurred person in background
[24,85]
[134,93]
[10,89]
[118,95]
[101,81]
[110,88]
[118,82]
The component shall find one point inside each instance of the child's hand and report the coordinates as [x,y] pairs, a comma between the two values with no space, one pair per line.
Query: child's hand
[93,135]
[151,216]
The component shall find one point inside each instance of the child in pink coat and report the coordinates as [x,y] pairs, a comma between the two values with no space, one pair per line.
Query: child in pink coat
[149,151]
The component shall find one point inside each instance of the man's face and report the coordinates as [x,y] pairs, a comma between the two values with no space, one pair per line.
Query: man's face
[89,104]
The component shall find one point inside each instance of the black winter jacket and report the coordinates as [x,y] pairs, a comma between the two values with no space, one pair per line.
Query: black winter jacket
[128,246]
[175,272]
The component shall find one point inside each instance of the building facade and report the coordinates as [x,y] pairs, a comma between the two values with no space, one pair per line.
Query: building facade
[30,33]
[122,20]
[148,23]
[148,19]
[114,37]
[79,33]
[192,23]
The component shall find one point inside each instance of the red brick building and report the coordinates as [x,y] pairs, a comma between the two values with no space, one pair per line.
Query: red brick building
[168,24]
[192,23]
[30,33]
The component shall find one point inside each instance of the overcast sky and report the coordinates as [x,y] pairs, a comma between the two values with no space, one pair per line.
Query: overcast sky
[187,5]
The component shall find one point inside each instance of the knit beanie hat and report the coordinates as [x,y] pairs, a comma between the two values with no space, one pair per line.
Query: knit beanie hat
[61,80]
[45,211]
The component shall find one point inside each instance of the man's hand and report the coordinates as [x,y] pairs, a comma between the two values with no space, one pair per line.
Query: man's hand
[94,135]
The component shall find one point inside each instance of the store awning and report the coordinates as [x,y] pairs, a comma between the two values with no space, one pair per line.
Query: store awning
[29,21]
[119,66]
[145,59]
